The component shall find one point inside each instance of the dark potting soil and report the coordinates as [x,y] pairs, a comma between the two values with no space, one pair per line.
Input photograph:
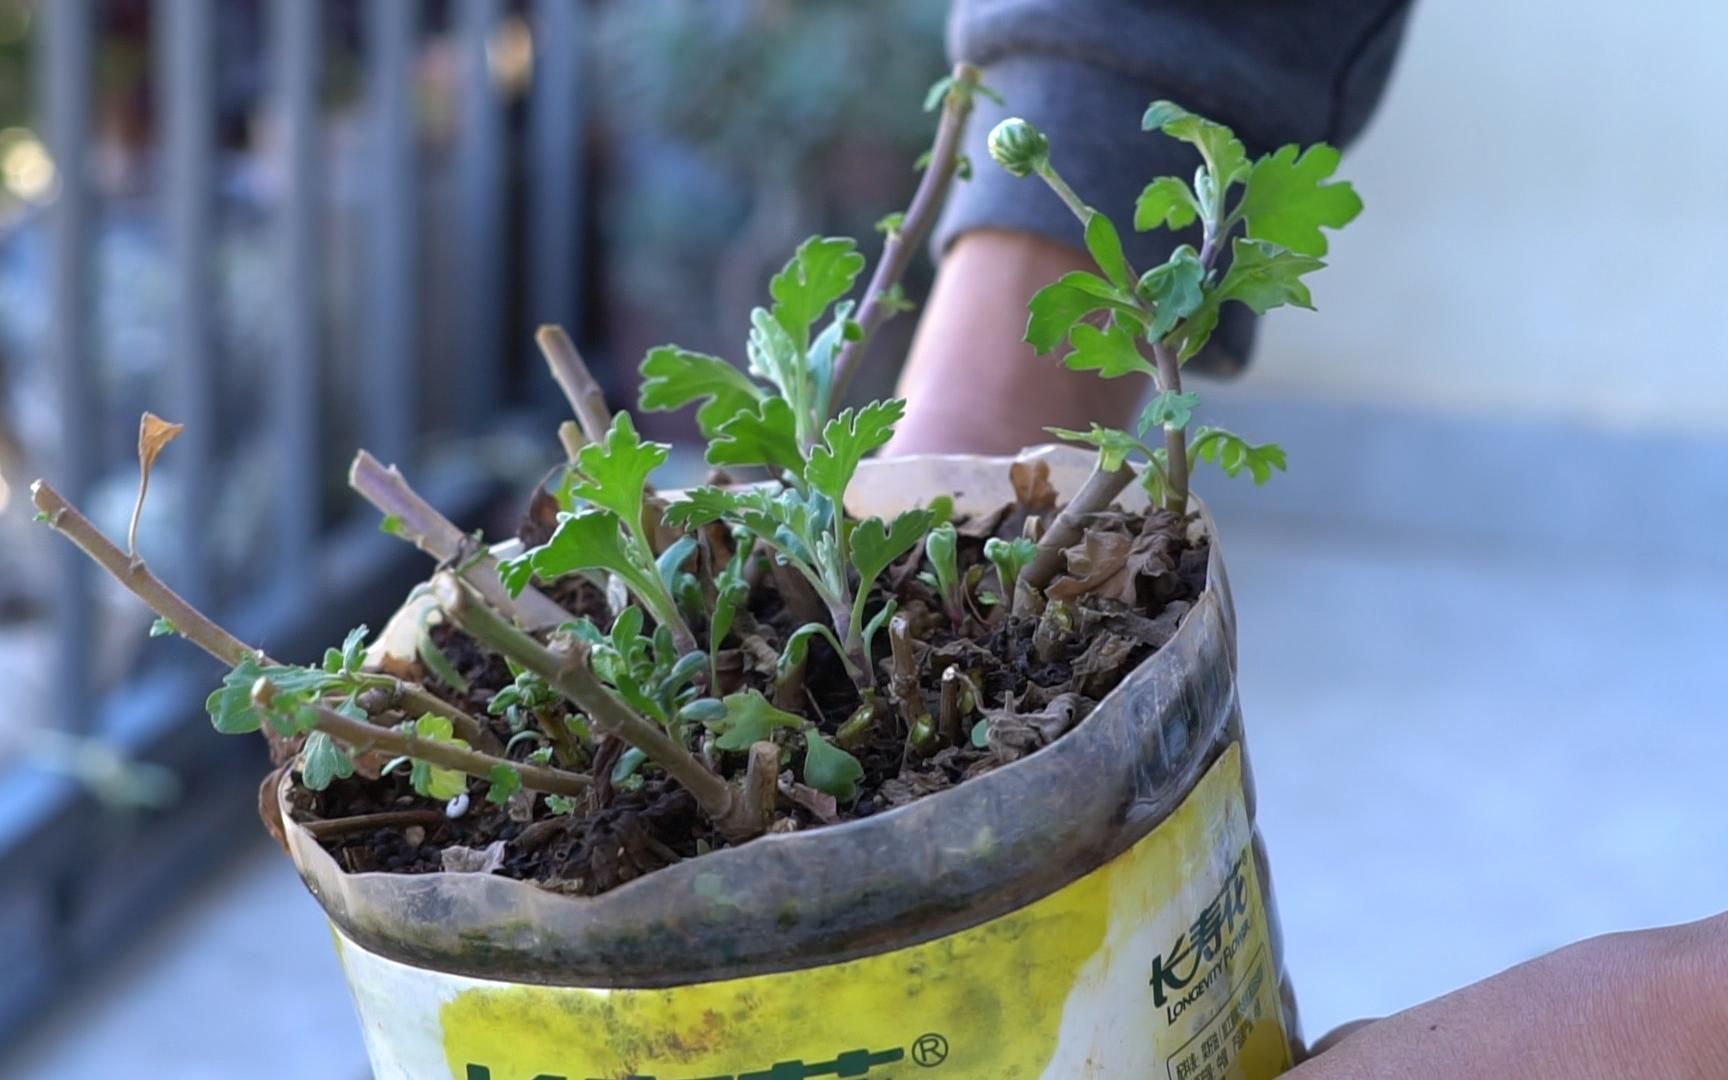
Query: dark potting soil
[1129,582]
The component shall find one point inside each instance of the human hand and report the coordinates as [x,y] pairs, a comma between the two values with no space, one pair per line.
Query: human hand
[972,383]
[1648,1004]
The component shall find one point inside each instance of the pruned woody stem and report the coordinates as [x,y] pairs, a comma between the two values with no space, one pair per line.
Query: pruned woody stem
[203,631]
[360,736]
[904,242]
[566,671]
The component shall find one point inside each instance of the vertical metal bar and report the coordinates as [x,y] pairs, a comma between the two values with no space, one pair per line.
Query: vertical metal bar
[185,59]
[555,153]
[391,371]
[65,76]
[296,40]
[480,183]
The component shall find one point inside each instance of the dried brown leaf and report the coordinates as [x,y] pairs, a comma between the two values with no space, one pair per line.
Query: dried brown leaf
[1033,492]
[1012,734]
[154,433]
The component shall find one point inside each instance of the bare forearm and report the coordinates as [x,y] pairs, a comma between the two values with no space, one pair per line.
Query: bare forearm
[972,383]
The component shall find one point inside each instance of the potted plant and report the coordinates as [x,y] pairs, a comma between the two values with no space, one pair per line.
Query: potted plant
[865,768]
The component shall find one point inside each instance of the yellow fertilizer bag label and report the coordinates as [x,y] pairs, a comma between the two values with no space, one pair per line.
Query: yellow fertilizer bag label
[1156,966]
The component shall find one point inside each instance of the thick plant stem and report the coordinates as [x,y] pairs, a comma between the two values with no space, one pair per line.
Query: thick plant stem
[360,736]
[202,631]
[568,673]
[416,521]
[1175,438]
[904,242]
[580,386]
[1099,491]
[903,686]
[761,784]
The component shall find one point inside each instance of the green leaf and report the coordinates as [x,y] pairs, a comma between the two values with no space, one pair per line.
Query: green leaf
[875,625]
[615,470]
[1168,409]
[846,440]
[590,540]
[230,706]
[1105,244]
[561,804]
[1287,200]
[774,355]
[749,718]
[889,224]
[821,272]
[629,762]
[1010,557]
[163,628]
[764,434]
[673,377]
[1167,202]
[1056,307]
[1111,352]
[433,781]
[517,573]
[502,782]
[354,650]
[322,761]
[1232,453]
[1176,288]
[672,560]
[391,525]
[1193,335]
[829,768]
[876,546]
[797,646]
[941,546]
[1113,446]
[1264,276]
[938,91]
[1223,152]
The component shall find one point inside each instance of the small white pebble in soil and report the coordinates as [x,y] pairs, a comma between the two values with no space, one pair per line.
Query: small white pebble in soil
[456,807]
[414,836]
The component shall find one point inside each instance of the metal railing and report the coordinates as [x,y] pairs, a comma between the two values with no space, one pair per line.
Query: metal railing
[73,882]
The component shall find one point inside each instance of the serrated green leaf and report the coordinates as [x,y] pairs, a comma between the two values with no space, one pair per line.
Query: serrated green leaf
[1168,409]
[889,224]
[516,573]
[163,628]
[762,434]
[829,768]
[1054,309]
[1167,202]
[1193,335]
[561,804]
[1105,244]
[502,782]
[1110,352]
[590,540]
[820,272]
[1176,288]
[1232,453]
[1218,144]
[673,378]
[938,91]
[354,649]
[322,761]
[433,781]
[230,706]
[846,440]
[749,718]
[774,355]
[1287,200]
[615,470]
[1114,446]
[875,546]
[1264,276]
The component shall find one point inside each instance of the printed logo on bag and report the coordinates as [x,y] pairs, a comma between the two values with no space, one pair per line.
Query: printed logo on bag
[1155,964]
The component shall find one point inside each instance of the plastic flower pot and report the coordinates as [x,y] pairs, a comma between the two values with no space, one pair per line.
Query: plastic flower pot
[1099,908]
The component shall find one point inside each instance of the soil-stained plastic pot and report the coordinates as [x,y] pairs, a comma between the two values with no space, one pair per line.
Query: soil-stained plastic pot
[1097,909]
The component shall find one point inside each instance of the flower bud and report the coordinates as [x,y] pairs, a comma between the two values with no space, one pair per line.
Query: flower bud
[1019,147]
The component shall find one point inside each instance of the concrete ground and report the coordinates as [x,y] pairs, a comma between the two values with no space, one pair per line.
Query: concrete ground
[1472,747]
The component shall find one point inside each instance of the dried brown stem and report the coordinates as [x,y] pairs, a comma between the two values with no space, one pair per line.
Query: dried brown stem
[903,243]
[903,686]
[389,819]
[580,386]
[949,719]
[761,784]
[423,526]
[571,438]
[567,671]
[1094,496]
[202,631]
[360,737]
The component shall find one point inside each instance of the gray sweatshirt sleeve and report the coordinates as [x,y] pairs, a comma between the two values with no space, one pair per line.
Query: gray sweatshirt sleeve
[1277,71]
